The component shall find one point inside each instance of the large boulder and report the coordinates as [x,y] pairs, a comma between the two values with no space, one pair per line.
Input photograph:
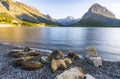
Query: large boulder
[31,65]
[16,53]
[22,60]
[73,73]
[57,54]
[60,64]
[92,55]
[73,55]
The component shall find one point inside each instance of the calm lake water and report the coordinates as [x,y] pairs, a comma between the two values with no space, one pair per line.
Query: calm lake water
[106,40]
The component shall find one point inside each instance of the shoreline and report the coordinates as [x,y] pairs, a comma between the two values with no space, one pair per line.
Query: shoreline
[48,51]
[110,70]
[7,25]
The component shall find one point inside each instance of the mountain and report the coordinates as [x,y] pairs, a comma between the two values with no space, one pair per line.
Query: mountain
[22,12]
[68,20]
[49,17]
[98,15]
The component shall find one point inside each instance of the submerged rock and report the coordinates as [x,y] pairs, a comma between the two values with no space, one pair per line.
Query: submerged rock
[92,55]
[22,60]
[73,73]
[57,54]
[60,64]
[32,65]
[16,53]
[73,55]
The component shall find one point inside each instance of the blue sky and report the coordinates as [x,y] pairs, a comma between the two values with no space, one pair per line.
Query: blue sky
[76,8]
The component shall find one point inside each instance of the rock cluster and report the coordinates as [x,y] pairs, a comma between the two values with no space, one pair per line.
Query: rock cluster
[29,59]
[24,58]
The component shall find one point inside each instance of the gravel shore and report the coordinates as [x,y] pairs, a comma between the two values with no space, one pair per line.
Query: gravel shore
[109,70]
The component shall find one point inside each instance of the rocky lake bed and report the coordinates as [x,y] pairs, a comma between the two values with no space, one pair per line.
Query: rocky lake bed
[108,70]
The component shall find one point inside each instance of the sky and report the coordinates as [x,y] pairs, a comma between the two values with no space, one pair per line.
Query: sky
[76,8]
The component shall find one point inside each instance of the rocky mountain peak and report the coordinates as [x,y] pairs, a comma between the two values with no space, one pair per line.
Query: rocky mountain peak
[68,20]
[70,17]
[48,16]
[97,8]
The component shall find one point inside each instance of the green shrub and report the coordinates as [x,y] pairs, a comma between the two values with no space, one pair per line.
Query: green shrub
[6,18]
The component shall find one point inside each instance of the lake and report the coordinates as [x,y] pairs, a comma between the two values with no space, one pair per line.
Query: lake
[106,40]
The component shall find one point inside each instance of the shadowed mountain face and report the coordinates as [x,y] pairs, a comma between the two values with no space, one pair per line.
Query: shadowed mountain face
[98,16]
[23,12]
[5,4]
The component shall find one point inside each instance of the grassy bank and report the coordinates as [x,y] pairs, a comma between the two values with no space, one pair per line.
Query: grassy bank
[7,25]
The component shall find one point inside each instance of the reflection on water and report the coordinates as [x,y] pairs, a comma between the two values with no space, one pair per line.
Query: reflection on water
[106,40]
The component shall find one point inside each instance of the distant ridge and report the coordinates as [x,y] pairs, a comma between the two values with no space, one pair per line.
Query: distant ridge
[67,21]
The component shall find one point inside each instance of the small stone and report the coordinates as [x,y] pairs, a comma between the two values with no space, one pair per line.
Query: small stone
[45,59]
[73,55]
[57,54]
